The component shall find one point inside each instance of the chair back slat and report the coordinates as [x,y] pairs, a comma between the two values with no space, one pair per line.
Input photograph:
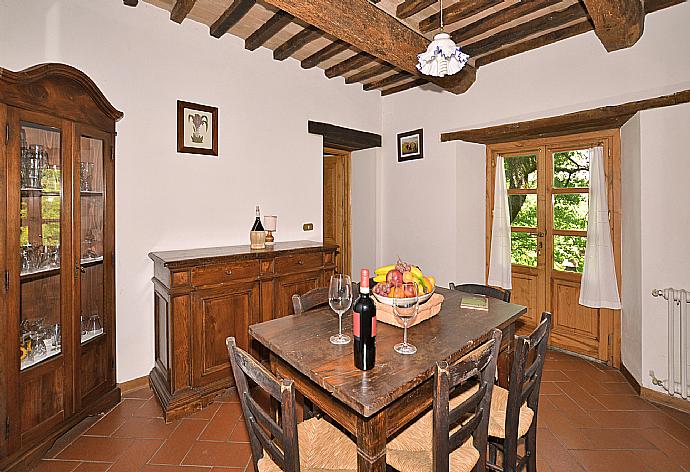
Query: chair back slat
[312,299]
[479,289]
[265,435]
[479,367]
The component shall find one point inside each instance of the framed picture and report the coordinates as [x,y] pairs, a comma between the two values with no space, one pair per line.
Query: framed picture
[411,145]
[197,128]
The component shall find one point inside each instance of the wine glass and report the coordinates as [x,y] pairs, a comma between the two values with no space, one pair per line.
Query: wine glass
[406,309]
[340,299]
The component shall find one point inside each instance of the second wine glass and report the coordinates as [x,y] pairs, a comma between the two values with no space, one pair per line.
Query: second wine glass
[406,309]
[340,299]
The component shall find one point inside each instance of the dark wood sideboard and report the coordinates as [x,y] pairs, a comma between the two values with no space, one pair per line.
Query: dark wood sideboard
[202,296]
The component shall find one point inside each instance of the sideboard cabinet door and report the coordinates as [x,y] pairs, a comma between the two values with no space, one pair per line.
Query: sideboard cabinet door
[289,285]
[217,313]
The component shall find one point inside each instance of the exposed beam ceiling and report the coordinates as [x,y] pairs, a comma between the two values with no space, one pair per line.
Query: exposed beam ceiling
[369,73]
[131,3]
[232,15]
[411,7]
[266,31]
[181,9]
[456,12]
[333,49]
[390,80]
[297,42]
[358,60]
[406,86]
[617,23]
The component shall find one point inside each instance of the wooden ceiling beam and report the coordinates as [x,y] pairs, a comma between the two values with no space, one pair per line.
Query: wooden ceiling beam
[370,29]
[581,121]
[387,81]
[181,9]
[325,53]
[617,23]
[234,13]
[367,74]
[131,3]
[297,42]
[500,18]
[351,63]
[400,88]
[411,7]
[266,31]
[517,33]
[456,12]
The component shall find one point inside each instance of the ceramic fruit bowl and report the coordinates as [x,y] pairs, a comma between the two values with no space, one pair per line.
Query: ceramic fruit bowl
[403,301]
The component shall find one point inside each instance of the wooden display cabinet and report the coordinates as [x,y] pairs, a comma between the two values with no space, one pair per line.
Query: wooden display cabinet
[202,296]
[57,361]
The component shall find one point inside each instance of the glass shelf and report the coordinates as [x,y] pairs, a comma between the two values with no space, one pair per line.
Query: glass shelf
[39,192]
[88,336]
[52,352]
[90,193]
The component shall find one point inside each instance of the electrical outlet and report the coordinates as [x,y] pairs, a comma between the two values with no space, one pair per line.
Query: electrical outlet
[308,226]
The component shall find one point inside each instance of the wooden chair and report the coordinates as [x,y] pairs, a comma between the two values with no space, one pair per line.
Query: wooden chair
[312,299]
[453,436]
[276,446]
[514,411]
[483,290]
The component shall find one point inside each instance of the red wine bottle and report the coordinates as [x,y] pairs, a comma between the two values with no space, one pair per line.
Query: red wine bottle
[257,226]
[364,325]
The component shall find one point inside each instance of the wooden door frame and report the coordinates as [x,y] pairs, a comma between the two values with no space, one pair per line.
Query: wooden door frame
[347,243]
[614,197]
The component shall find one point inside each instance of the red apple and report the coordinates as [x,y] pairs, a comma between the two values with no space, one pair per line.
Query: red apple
[410,290]
[394,278]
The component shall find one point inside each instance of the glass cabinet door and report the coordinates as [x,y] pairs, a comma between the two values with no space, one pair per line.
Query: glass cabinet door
[40,215]
[91,218]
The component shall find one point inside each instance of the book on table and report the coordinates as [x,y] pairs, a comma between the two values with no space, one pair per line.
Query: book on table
[475,302]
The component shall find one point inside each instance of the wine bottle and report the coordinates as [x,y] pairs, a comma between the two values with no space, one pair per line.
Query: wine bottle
[257,226]
[364,325]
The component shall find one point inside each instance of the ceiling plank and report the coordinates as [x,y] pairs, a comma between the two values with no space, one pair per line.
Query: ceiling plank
[500,18]
[534,43]
[131,3]
[517,33]
[181,9]
[588,120]
[325,53]
[400,88]
[370,29]
[234,13]
[266,31]
[411,7]
[393,79]
[351,63]
[617,23]
[456,12]
[368,73]
[297,42]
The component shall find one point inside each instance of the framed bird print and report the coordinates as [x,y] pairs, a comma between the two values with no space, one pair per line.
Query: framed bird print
[197,128]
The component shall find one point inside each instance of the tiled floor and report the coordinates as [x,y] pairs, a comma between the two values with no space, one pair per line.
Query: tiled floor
[589,420]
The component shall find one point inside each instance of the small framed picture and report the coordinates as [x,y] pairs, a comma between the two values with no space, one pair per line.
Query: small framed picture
[197,128]
[411,145]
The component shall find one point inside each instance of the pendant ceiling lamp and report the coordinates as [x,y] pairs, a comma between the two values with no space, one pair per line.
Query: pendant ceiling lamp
[442,57]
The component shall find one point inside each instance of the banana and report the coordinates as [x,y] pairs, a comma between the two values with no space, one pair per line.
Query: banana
[380,278]
[416,272]
[383,270]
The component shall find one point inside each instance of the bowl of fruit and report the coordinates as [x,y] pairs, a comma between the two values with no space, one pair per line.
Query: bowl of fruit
[397,282]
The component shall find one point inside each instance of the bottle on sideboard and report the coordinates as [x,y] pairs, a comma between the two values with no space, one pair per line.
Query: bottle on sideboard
[257,235]
[364,325]
[257,226]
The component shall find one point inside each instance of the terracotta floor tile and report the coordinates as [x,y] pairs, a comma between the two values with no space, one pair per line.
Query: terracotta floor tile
[619,387]
[657,461]
[144,393]
[108,423]
[145,428]
[205,413]
[580,396]
[669,445]
[221,426]
[577,416]
[680,416]
[224,454]
[609,461]
[95,449]
[137,455]
[550,388]
[51,465]
[625,402]
[615,439]
[239,432]
[230,396]
[555,376]
[551,451]
[176,468]
[93,467]
[179,442]
[150,409]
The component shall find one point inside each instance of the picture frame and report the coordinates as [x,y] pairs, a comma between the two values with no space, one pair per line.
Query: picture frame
[197,128]
[411,145]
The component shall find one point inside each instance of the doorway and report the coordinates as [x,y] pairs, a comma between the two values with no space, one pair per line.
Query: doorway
[548,197]
[336,205]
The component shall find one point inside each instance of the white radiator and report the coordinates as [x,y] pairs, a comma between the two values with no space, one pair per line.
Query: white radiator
[677,305]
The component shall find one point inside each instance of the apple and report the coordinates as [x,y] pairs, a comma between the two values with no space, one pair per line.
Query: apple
[394,278]
[410,290]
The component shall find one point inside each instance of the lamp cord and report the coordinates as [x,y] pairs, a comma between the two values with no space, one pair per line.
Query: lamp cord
[441,12]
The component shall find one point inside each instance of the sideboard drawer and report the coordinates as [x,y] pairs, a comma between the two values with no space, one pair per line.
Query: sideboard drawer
[223,273]
[298,262]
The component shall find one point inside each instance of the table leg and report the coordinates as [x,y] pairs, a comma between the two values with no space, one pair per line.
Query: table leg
[505,356]
[371,443]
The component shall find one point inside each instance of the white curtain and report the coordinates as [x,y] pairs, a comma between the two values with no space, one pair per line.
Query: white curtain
[499,265]
[599,288]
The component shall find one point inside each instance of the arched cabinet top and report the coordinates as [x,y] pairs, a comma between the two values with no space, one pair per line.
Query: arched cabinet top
[60,90]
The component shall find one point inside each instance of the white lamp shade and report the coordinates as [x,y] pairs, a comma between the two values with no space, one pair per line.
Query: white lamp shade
[442,57]
[270,223]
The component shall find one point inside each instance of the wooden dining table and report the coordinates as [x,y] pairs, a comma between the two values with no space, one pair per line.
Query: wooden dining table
[374,405]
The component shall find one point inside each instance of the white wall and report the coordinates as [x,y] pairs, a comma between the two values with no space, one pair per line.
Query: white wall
[144,62]
[363,180]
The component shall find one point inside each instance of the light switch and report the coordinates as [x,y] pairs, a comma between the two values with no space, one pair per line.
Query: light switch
[308,226]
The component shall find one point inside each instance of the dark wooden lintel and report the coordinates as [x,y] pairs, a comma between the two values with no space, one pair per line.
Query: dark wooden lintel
[323,54]
[401,87]
[348,139]
[234,13]
[181,9]
[582,121]
[297,42]
[351,63]
[266,31]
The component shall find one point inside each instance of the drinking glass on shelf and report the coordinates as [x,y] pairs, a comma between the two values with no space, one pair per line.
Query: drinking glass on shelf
[405,310]
[95,326]
[340,299]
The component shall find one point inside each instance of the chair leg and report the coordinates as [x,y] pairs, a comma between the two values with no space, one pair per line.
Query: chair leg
[509,455]
[531,448]
[492,454]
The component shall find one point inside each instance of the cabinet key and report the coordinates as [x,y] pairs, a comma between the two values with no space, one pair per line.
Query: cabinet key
[228,272]
[300,262]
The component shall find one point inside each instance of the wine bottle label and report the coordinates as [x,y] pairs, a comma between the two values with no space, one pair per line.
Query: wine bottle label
[355,323]
[373,326]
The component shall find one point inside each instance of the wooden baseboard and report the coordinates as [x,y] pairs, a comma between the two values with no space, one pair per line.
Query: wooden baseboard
[631,380]
[134,384]
[665,399]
